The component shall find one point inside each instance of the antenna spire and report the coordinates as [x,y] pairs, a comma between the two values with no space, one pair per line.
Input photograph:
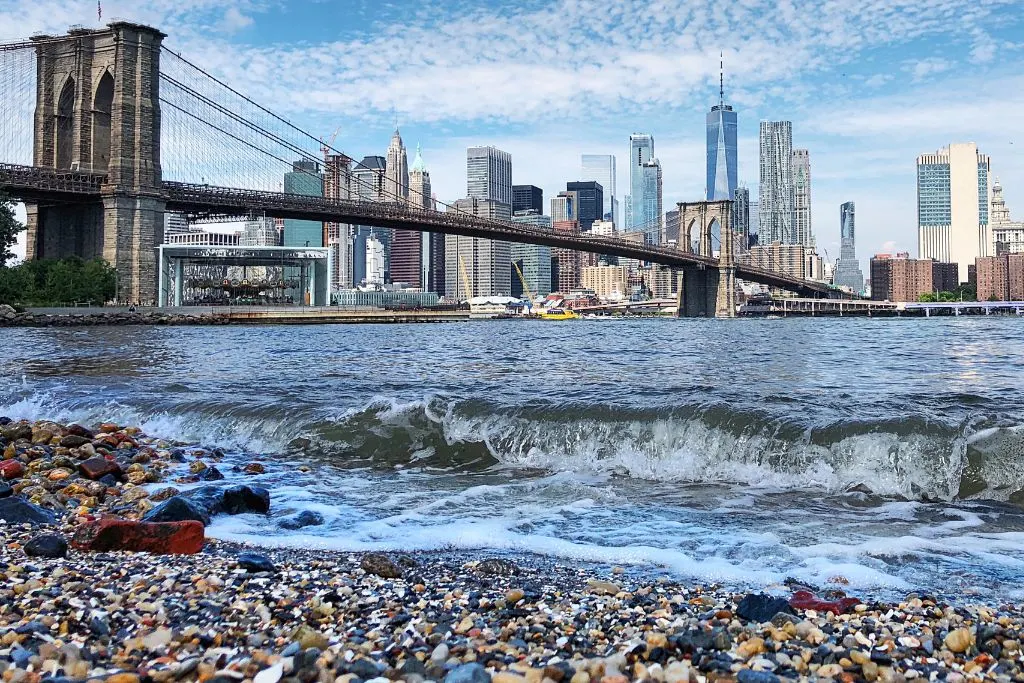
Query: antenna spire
[721,78]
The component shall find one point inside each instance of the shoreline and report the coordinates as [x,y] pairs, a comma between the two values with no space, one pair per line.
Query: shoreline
[234,612]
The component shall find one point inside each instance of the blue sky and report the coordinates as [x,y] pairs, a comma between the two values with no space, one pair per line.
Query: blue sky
[868,84]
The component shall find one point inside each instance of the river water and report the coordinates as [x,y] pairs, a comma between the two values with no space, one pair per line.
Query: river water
[885,453]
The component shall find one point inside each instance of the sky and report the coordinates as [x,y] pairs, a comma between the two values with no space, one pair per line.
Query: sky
[868,84]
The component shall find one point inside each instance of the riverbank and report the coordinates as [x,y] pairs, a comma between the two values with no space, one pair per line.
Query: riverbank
[232,612]
[247,315]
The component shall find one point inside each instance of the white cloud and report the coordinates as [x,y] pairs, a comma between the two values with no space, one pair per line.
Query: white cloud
[923,68]
[235,20]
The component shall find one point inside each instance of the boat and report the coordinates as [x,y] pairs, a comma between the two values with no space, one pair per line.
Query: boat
[558,314]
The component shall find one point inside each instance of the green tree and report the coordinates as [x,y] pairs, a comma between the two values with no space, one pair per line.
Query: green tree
[9,229]
[927,298]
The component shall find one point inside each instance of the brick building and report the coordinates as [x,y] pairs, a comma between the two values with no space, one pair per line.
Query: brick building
[1000,278]
[899,278]
[945,276]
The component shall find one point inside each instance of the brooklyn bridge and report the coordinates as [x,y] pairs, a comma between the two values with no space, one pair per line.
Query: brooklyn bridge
[103,130]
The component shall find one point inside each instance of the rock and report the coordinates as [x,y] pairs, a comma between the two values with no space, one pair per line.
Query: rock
[47,545]
[177,509]
[12,469]
[255,562]
[15,510]
[381,565]
[98,467]
[164,494]
[307,637]
[364,669]
[496,567]
[211,473]
[514,595]
[958,640]
[198,467]
[468,673]
[602,587]
[808,600]
[751,676]
[161,538]
[74,441]
[439,654]
[254,468]
[5,490]
[242,499]
[79,430]
[750,647]
[271,674]
[303,519]
[16,432]
[761,608]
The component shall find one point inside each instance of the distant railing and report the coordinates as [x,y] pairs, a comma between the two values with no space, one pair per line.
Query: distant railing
[13,176]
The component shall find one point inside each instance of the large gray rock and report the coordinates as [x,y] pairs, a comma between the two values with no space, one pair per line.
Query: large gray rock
[15,510]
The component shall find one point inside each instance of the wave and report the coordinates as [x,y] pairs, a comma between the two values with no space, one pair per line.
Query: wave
[915,458]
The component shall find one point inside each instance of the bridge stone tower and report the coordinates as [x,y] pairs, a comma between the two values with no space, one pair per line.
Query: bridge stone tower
[98,111]
[707,291]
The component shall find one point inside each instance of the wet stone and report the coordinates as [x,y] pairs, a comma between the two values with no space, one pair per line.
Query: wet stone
[177,509]
[760,608]
[381,565]
[255,562]
[15,510]
[47,545]
[301,520]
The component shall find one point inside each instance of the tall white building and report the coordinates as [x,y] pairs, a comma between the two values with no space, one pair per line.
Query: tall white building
[489,174]
[802,197]
[776,186]
[953,204]
[601,167]
[396,174]
[175,223]
[374,261]
[487,263]
[564,207]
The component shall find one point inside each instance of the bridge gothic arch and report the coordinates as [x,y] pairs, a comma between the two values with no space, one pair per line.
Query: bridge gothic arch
[64,122]
[102,105]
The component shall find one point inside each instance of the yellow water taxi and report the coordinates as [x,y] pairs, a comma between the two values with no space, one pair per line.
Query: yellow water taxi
[558,314]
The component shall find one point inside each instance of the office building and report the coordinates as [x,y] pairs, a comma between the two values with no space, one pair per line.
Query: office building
[801,165]
[589,202]
[175,223]
[304,179]
[651,205]
[1001,278]
[566,264]
[775,210]
[396,171]
[945,276]
[900,278]
[672,226]
[534,260]
[741,216]
[604,228]
[601,168]
[790,259]
[258,231]
[486,263]
[527,198]
[408,247]
[374,262]
[563,207]
[367,184]
[642,183]
[338,237]
[848,273]
[431,255]
[721,148]
[489,174]
[609,283]
[953,205]
[1007,234]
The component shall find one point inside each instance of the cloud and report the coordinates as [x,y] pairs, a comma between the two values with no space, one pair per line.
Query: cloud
[234,20]
[922,68]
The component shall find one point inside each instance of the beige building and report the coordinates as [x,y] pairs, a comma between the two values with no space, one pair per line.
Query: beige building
[953,205]
[1007,234]
[790,259]
[488,263]
[608,282]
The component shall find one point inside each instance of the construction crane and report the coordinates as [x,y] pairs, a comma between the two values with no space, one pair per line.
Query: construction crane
[326,147]
[465,279]
[526,287]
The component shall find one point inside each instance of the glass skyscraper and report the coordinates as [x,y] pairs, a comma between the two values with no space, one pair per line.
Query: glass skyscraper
[641,153]
[489,174]
[601,168]
[848,272]
[776,189]
[305,179]
[721,138]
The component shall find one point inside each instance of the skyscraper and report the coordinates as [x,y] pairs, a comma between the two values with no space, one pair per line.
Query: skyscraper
[641,152]
[601,168]
[527,198]
[431,256]
[534,260]
[848,272]
[775,200]
[338,236]
[407,245]
[953,204]
[564,207]
[741,215]
[721,147]
[489,174]
[590,202]
[488,263]
[368,184]
[305,179]
[802,198]
[647,215]
[396,186]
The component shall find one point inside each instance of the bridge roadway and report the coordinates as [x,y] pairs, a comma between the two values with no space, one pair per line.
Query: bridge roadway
[205,201]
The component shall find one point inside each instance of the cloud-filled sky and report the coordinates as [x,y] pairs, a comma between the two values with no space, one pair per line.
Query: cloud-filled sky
[868,84]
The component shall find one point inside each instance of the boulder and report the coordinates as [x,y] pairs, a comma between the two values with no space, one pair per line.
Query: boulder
[74,441]
[209,498]
[381,565]
[177,509]
[47,545]
[303,519]
[17,431]
[760,608]
[79,430]
[160,538]
[241,499]
[12,469]
[96,468]
[211,473]
[15,510]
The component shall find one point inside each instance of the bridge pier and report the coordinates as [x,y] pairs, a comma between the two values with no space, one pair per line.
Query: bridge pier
[98,111]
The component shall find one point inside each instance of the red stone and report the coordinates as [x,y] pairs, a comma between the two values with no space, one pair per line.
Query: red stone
[808,600]
[97,467]
[12,469]
[160,538]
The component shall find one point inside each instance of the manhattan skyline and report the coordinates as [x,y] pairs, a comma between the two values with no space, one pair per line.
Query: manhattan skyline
[865,103]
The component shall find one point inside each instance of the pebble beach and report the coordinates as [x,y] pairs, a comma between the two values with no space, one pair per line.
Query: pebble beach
[75,606]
